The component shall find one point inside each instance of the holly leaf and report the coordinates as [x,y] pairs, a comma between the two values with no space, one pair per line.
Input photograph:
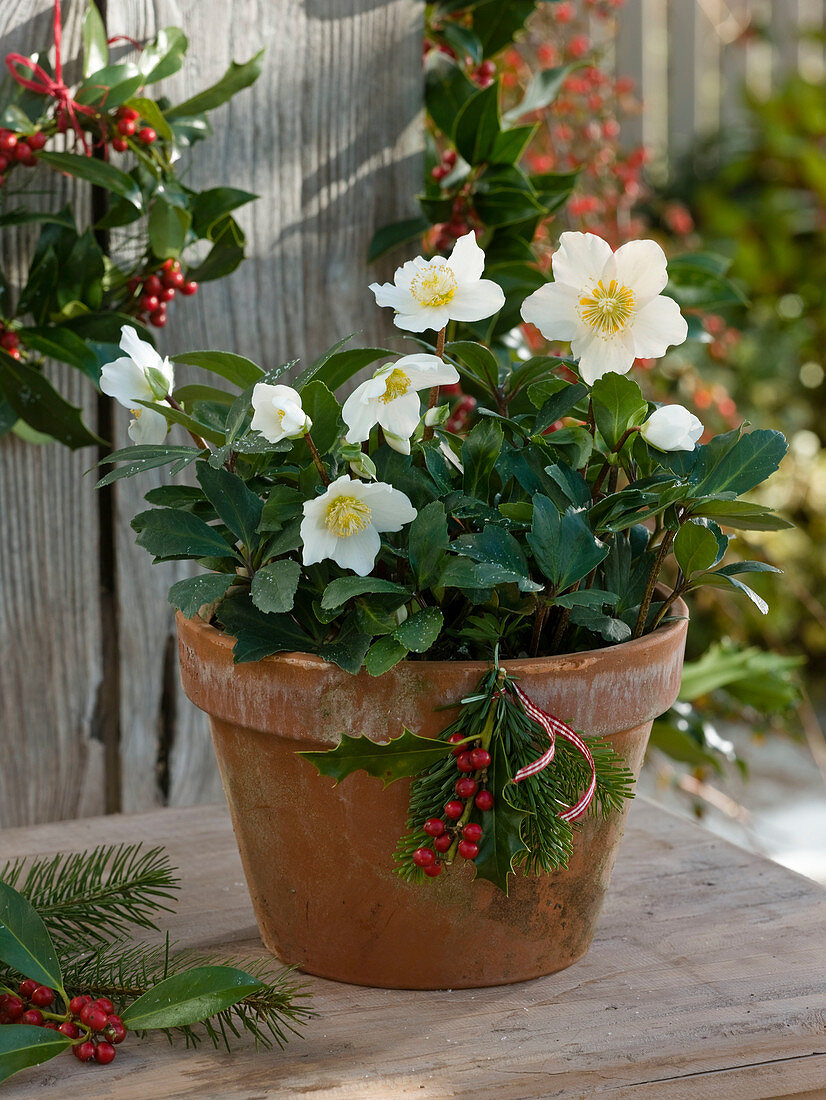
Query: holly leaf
[190,997]
[25,944]
[22,1046]
[237,77]
[400,758]
[502,839]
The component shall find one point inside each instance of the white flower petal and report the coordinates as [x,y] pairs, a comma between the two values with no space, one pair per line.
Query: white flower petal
[397,442]
[658,325]
[467,259]
[360,411]
[126,382]
[319,542]
[390,508]
[553,309]
[475,301]
[580,259]
[401,416]
[358,552]
[140,351]
[425,371]
[421,318]
[641,266]
[599,355]
[398,298]
[148,426]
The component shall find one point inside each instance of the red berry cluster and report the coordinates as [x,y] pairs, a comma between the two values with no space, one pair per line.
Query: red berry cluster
[472,762]
[9,342]
[92,1025]
[445,166]
[151,293]
[126,126]
[19,149]
[460,414]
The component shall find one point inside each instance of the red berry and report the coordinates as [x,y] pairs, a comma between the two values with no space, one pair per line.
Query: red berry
[466,788]
[468,850]
[128,112]
[38,140]
[480,758]
[465,763]
[147,135]
[14,353]
[77,1004]
[8,141]
[105,1004]
[472,832]
[439,172]
[170,265]
[449,157]
[13,1007]
[42,996]
[149,302]
[158,318]
[115,1030]
[84,1052]
[70,1030]
[484,800]
[454,809]
[126,127]
[51,1025]
[22,151]
[4,163]
[104,1053]
[433,870]
[33,1016]
[120,145]
[423,857]
[434,826]
[173,279]
[93,1017]
[454,739]
[166,293]
[189,288]
[443,842]
[152,285]
[486,69]
[29,985]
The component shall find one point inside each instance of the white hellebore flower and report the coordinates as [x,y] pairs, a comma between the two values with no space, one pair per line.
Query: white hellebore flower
[278,414]
[426,294]
[344,522]
[608,304]
[141,375]
[672,428]
[391,398]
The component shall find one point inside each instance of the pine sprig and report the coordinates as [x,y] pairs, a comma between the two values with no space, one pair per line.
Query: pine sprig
[96,895]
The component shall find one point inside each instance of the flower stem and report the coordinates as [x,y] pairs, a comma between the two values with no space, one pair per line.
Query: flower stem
[433,399]
[319,465]
[198,440]
[662,554]
[609,466]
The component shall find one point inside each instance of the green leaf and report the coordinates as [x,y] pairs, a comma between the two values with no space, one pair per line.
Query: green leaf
[164,55]
[543,89]
[38,403]
[606,626]
[462,40]
[695,548]
[397,759]
[325,412]
[25,944]
[259,634]
[282,504]
[398,233]
[741,514]
[235,368]
[170,533]
[226,253]
[420,631]
[500,206]
[189,997]
[427,543]
[564,546]
[383,654]
[558,404]
[58,342]
[342,589]
[509,145]
[274,586]
[499,556]
[210,206]
[477,125]
[722,580]
[239,507]
[237,77]
[480,452]
[497,23]
[752,459]
[22,1046]
[735,567]
[502,839]
[340,367]
[447,89]
[618,405]
[479,362]
[151,113]
[93,35]
[168,227]
[191,594]
[348,652]
[148,457]
[97,172]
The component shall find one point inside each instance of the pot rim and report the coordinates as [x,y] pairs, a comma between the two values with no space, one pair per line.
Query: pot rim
[226,641]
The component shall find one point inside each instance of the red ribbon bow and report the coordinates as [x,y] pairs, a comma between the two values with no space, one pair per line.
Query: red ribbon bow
[40,81]
[555,728]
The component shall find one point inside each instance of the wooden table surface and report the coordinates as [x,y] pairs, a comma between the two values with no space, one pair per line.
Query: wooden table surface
[705,982]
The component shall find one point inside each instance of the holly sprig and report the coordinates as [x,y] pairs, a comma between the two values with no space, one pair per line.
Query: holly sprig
[464,803]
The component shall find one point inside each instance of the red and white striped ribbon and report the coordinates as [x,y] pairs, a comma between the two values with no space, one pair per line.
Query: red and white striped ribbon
[555,728]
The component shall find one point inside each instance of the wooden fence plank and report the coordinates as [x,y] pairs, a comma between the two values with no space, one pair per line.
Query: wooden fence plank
[329,138]
[51,757]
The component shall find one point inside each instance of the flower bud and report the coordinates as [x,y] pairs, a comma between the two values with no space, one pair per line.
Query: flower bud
[672,428]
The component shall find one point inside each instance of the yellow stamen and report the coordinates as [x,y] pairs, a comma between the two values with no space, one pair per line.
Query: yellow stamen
[435,286]
[608,309]
[347,516]
[397,386]
[136,413]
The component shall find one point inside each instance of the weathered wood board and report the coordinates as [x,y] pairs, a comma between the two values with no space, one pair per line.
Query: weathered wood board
[706,981]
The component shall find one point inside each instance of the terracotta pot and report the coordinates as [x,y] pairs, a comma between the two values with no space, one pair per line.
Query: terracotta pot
[319,858]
